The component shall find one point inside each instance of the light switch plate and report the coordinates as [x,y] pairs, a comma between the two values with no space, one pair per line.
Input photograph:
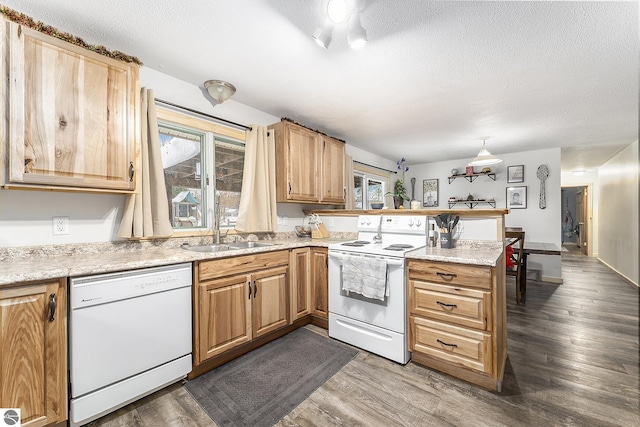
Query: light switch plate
[60,225]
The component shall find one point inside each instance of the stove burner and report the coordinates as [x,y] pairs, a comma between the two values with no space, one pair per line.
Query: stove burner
[398,247]
[357,243]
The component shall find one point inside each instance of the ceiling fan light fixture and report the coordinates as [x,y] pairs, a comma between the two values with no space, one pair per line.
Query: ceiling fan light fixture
[357,36]
[322,35]
[219,90]
[484,158]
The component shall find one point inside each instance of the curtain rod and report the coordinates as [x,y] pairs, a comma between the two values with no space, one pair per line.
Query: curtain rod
[161,101]
[376,167]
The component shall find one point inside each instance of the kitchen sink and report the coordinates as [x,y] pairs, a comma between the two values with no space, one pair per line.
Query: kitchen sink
[208,248]
[247,245]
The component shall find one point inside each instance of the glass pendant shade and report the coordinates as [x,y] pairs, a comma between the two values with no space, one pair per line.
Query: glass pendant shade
[219,90]
[357,36]
[484,158]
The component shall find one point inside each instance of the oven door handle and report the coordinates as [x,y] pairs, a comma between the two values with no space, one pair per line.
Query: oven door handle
[392,262]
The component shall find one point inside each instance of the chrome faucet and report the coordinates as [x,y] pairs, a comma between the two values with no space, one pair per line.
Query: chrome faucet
[378,237]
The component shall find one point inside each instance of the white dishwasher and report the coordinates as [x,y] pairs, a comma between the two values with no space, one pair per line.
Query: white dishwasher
[129,335]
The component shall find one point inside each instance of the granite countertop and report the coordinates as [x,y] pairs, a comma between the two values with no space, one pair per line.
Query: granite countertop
[474,252]
[31,264]
[36,264]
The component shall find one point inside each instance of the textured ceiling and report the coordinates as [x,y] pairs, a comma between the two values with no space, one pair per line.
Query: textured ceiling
[434,77]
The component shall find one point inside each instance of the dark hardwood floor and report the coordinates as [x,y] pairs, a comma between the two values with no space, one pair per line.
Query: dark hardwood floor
[573,360]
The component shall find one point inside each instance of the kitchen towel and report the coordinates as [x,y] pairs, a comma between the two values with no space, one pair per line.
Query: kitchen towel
[365,276]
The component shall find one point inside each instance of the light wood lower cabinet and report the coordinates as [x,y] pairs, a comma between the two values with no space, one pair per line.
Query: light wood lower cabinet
[300,268]
[320,282]
[457,319]
[237,300]
[33,351]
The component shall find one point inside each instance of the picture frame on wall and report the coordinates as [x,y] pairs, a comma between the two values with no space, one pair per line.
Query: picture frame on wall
[430,193]
[517,197]
[515,173]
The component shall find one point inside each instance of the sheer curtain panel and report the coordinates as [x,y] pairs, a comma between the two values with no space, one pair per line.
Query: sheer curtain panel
[258,209]
[146,213]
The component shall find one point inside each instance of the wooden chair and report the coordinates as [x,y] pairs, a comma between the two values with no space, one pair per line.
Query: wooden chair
[516,236]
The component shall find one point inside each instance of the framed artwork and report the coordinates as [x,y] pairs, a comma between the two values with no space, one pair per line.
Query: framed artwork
[517,197]
[430,193]
[515,173]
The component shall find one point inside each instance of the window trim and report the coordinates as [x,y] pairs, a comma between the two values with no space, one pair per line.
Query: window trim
[211,130]
[370,172]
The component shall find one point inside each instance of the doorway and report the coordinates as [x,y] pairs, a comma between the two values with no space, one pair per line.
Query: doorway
[575,220]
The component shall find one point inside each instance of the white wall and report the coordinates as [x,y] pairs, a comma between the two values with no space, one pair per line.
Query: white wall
[618,201]
[540,225]
[26,216]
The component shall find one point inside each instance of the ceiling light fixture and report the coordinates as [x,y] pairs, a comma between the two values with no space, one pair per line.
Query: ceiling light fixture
[579,172]
[322,35]
[219,90]
[338,12]
[357,34]
[484,158]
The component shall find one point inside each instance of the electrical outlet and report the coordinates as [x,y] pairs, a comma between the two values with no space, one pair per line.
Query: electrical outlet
[285,220]
[60,225]
[279,220]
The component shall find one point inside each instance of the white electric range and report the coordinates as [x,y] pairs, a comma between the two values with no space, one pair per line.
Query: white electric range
[376,325]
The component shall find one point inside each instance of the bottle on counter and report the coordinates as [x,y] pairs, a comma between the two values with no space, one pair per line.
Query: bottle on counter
[433,238]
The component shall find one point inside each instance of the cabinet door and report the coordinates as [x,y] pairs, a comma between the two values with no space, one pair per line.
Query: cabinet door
[33,349]
[302,164]
[270,305]
[72,118]
[300,286]
[223,315]
[332,172]
[320,281]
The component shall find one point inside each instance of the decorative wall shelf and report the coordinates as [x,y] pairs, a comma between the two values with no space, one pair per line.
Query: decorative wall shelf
[472,203]
[472,177]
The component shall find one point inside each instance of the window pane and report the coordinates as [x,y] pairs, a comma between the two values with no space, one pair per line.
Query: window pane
[229,167]
[357,186]
[375,192]
[183,165]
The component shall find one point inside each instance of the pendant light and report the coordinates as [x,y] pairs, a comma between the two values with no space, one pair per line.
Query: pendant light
[484,158]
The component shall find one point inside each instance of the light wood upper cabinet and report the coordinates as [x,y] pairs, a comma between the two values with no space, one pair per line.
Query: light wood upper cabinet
[33,349]
[332,158]
[73,115]
[309,166]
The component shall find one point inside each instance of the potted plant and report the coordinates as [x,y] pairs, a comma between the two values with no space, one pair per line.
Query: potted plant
[399,193]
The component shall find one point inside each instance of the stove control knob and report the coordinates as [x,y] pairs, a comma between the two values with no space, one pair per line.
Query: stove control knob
[418,223]
[410,222]
[362,221]
[368,221]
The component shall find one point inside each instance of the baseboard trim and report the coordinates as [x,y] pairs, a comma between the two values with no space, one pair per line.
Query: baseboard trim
[622,276]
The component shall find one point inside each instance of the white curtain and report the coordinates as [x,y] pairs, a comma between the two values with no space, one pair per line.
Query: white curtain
[146,213]
[258,209]
[350,200]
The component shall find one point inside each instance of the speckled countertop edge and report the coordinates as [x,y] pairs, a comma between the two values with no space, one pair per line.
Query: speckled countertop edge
[30,264]
[473,252]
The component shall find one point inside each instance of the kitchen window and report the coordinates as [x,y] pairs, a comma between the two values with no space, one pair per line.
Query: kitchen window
[200,162]
[369,187]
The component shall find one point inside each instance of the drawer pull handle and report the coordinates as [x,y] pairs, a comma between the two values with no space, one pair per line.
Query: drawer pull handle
[446,305]
[448,345]
[443,275]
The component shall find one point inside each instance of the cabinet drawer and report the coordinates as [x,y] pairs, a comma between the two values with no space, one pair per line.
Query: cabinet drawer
[462,306]
[240,264]
[452,344]
[452,274]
